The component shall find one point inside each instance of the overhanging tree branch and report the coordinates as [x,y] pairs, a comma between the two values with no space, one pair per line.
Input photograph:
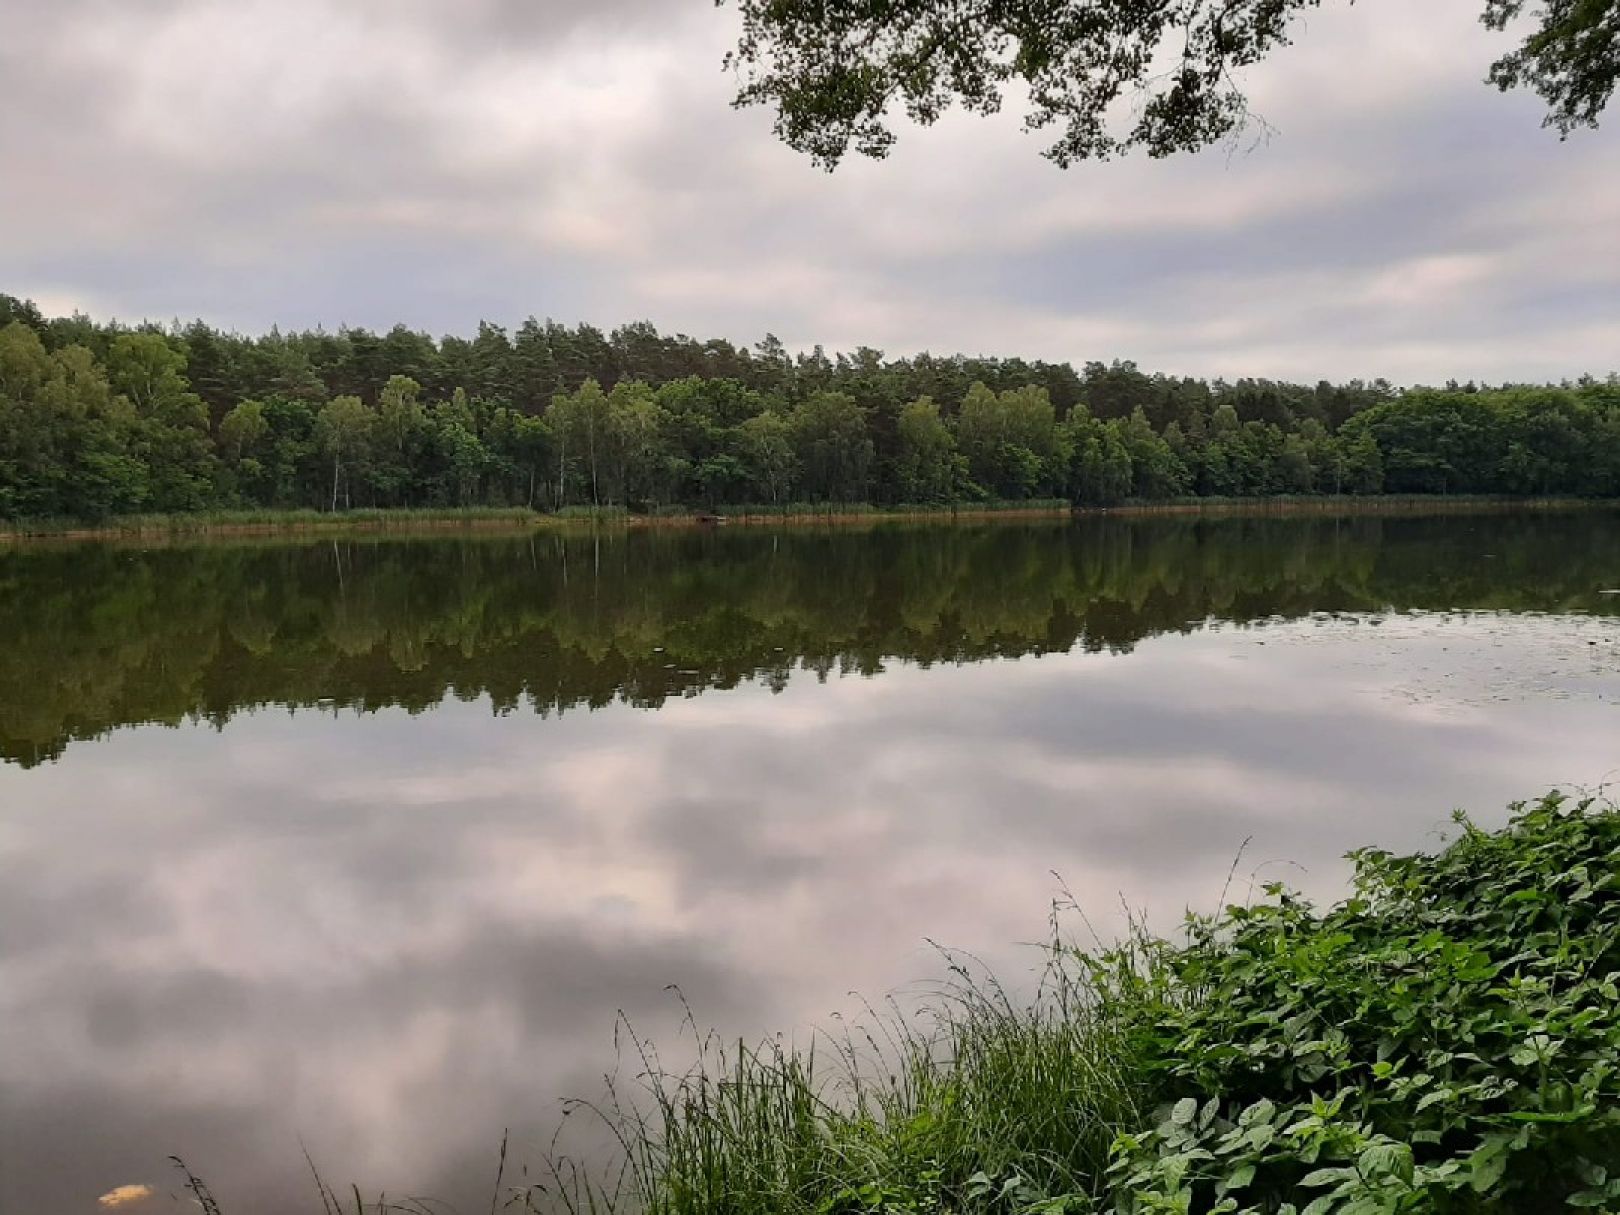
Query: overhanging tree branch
[837,72]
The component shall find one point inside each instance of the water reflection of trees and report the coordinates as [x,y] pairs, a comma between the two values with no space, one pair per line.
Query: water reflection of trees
[98,637]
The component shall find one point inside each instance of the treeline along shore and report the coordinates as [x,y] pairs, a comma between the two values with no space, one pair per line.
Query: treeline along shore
[102,420]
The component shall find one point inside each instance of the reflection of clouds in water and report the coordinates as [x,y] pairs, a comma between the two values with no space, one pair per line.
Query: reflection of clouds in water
[397,934]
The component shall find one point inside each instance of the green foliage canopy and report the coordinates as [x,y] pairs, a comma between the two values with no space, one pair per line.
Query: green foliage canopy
[835,73]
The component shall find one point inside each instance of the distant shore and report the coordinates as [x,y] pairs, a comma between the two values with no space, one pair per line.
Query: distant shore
[225,524]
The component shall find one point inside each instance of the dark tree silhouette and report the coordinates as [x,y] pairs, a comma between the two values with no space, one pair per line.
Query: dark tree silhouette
[837,73]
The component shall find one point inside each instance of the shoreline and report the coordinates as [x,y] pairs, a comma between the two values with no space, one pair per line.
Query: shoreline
[404,522]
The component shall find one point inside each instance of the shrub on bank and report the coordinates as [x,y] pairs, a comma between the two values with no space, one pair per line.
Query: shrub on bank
[1446,1039]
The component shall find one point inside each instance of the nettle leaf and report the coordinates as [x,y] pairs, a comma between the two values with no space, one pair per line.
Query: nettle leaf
[1261,1112]
[1321,1177]
[1487,1165]
[1592,1173]
[1260,1137]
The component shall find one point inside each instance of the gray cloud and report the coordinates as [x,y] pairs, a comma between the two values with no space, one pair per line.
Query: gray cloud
[311,163]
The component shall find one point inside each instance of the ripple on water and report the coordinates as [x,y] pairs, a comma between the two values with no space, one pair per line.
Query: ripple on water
[1460,660]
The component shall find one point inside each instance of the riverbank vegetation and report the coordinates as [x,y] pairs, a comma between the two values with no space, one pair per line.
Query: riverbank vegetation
[267,521]
[1444,1040]
[403,522]
[104,420]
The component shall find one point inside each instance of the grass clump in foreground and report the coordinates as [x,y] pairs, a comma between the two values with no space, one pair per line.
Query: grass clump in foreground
[1444,1040]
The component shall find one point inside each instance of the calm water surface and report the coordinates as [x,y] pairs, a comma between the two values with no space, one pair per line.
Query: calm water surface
[366,843]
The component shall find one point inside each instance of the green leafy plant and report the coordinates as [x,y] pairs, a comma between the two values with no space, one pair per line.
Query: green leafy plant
[1444,1040]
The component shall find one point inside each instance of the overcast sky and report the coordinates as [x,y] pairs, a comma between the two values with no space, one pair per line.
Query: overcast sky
[328,162]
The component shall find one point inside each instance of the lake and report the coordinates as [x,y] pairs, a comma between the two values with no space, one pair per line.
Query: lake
[365,843]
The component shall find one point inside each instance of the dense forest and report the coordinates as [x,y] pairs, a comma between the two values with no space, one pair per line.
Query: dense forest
[108,635]
[103,419]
